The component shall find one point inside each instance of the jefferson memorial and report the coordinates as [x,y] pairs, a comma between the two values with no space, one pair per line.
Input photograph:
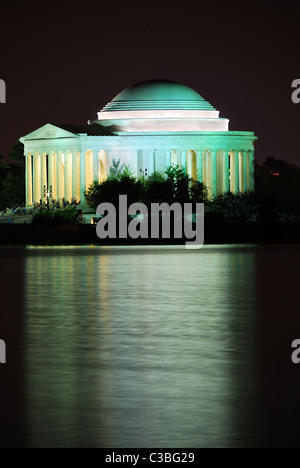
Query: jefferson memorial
[148,126]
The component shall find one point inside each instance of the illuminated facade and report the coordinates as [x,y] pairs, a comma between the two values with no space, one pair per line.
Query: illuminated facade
[148,127]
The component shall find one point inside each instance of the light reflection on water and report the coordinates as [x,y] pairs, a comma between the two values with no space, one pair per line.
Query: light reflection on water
[140,347]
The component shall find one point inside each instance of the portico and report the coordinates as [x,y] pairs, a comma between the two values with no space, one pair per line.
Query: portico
[61,162]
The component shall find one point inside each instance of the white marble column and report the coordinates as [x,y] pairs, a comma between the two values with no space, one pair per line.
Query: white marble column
[189,163]
[44,172]
[151,162]
[245,171]
[82,176]
[103,165]
[68,176]
[184,161]
[220,172]
[51,174]
[37,179]
[78,176]
[251,184]
[89,168]
[41,184]
[174,158]
[199,166]
[194,174]
[234,172]
[60,176]
[241,171]
[204,153]
[28,168]
[226,175]
[34,178]
[75,176]
[207,171]
[168,158]
[96,164]
[231,158]
[213,172]
[155,161]
[241,180]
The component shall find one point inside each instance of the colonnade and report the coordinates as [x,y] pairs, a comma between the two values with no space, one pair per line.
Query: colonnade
[220,170]
[71,172]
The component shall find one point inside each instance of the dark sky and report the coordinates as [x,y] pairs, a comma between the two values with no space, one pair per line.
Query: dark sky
[62,62]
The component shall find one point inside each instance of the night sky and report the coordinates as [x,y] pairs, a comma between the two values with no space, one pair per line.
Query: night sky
[62,62]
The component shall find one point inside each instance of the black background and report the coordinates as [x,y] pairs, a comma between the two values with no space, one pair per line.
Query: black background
[62,62]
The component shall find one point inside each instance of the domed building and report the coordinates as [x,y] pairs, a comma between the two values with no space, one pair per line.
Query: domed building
[148,126]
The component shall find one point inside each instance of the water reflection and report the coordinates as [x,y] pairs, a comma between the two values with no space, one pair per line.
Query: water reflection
[11,330]
[141,347]
[278,325]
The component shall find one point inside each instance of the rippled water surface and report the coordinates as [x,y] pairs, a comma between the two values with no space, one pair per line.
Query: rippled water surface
[143,347]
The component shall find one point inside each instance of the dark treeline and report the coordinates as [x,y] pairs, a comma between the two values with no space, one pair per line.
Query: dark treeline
[276,197]
[277,190]
[12,179]
[173,186]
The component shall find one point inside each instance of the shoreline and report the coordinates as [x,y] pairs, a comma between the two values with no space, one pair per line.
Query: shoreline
[85,234]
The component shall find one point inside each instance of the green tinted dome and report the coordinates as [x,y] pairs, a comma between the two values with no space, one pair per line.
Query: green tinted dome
[158,95]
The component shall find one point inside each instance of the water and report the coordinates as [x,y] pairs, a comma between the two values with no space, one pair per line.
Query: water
[142,347]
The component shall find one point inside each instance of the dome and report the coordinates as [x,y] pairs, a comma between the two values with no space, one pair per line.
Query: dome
[160,106]
[158,95]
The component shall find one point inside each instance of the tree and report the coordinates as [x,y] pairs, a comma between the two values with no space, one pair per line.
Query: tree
[118,170]
[12,181]
[156,176]
[2,164]
[65,216]
[277,189]
[158,192]
[12,191]
[3,172]
[17,154]
[109,191]
[184,189]
[180,184]
[235,207]
[174,186]
[198,192]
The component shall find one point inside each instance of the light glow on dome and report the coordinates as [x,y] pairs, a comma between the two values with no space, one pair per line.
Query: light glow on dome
[158,94]
[161,106]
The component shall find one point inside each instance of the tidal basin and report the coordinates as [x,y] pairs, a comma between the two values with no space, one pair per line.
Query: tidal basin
[149,347]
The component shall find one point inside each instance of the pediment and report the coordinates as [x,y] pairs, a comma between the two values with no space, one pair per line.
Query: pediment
[49,131]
